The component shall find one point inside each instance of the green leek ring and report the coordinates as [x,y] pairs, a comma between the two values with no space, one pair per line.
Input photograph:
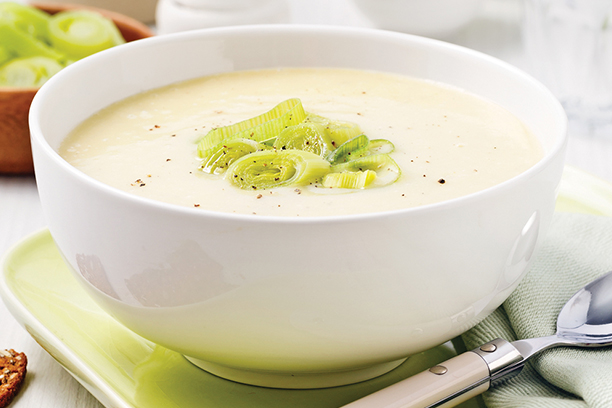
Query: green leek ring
[310,137]
[349,179]
[260,128]
[277,168]
[228,152]
[81,33]
[387,170]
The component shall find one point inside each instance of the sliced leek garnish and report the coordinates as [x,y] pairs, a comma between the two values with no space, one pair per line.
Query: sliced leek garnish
[350,150]
[359,146]
[260,128]
[349,179]
[310,137]
[286,147]
[277,168]
[339,132]
[381,146]
[228,152]
[387,170]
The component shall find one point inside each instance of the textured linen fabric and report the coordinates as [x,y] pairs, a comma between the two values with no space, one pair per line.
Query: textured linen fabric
[577,250]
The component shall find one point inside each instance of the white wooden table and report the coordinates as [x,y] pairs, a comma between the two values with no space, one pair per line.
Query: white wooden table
[496,31]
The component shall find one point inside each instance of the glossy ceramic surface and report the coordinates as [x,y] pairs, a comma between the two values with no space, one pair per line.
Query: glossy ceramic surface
[209,285]
[124,370]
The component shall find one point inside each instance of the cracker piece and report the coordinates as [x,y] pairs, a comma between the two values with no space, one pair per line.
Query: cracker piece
[12,375]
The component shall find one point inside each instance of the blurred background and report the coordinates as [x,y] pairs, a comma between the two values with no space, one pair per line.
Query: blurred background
[564,43]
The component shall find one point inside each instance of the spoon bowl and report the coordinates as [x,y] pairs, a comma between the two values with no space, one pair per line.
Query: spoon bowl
[586,319]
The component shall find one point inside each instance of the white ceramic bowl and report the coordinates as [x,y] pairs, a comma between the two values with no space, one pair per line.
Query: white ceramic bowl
[264,300]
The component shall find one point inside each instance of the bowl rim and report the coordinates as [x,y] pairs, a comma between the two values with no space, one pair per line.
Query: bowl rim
[556,150]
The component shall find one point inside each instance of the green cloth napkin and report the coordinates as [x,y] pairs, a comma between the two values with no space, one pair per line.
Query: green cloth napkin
[577,250]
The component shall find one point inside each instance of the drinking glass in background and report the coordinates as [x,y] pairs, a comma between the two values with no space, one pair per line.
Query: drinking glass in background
[568,44]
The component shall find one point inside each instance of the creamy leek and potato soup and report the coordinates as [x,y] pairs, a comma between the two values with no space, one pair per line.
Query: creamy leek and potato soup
[429,142]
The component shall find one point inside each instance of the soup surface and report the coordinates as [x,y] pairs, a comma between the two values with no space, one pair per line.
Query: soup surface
[448,143]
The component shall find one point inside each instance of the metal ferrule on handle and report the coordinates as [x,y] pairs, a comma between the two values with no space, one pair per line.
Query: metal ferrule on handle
[502,358]
[451,382]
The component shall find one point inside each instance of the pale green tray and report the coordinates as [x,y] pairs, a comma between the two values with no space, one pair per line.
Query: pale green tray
[123,370]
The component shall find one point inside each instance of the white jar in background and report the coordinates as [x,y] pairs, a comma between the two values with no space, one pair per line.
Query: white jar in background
[182,15]
[429,18]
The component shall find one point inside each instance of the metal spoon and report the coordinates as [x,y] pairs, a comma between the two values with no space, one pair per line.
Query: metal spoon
[584,321]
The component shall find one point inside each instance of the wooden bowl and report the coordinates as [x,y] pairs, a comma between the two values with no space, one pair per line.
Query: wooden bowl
[15,150]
